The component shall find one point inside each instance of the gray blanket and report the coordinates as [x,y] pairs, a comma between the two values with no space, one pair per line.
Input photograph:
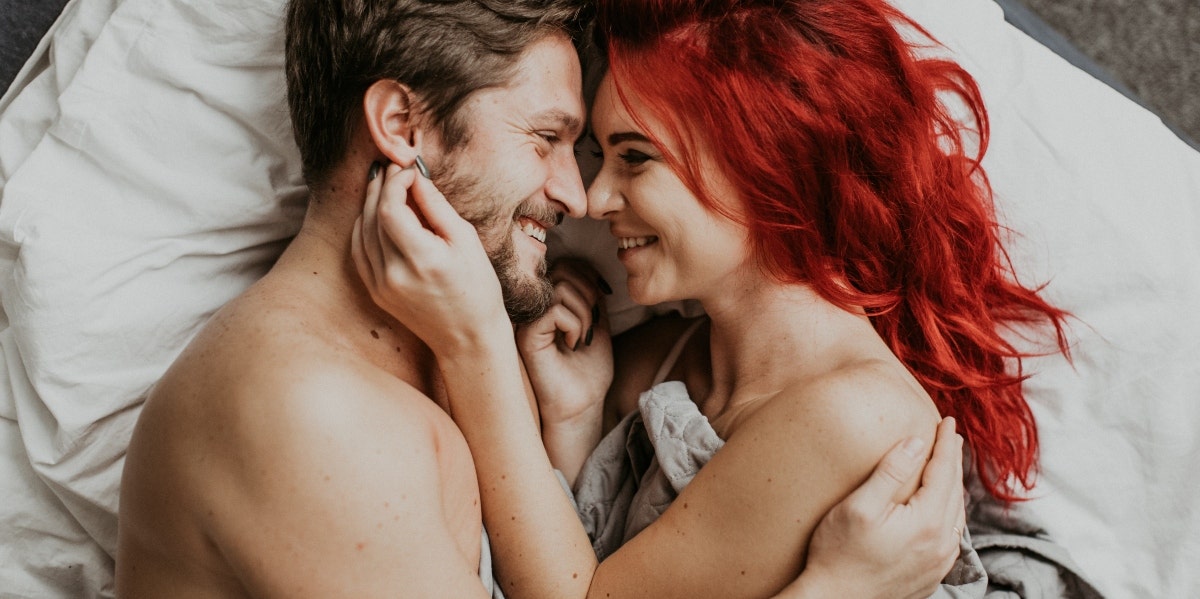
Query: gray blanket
[643,464]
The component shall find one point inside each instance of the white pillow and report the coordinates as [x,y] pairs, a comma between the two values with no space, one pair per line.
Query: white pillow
[152,176]
[164,183]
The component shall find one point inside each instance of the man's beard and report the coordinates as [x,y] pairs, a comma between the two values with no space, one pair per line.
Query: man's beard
[526,297]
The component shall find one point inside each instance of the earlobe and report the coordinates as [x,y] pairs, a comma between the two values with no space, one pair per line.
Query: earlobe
[392,119]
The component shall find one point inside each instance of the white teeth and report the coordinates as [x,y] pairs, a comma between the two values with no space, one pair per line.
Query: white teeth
[533,230]
[634,242]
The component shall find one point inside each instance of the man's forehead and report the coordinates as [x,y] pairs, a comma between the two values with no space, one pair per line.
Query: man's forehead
[549,71]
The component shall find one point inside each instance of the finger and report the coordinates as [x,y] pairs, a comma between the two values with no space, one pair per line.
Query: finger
[954,539]
[567,324]
[943,473]
[435,209]
[400,231]
[359,256]
[570,296]
[369,241]
[898,466]
[582,282]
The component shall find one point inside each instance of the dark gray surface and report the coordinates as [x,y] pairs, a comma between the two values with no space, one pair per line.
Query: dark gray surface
[22,24]
[1153,46]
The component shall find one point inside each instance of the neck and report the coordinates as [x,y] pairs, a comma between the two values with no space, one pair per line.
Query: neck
[318,269]
[791,333]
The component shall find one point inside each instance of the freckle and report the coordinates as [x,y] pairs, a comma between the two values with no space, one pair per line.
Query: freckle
[314,272]
[374,333]
[574,574]
[360,547]
[769,480]
[503,477]
[685,505]
[210,512]
[397,348]
[326,477]
[743,572]
[387,504]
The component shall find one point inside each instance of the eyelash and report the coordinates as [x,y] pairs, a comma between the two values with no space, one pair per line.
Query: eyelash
[633,158]
[629,157]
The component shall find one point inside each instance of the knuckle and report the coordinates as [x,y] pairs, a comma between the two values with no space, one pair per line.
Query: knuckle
[857,514]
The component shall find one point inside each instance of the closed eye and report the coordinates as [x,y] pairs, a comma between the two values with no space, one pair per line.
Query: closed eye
[633,157]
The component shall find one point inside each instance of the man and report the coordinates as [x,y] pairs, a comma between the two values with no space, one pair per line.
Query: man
[300,445]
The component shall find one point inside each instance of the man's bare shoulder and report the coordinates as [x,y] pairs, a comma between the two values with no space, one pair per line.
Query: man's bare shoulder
[254,380]
[282,451]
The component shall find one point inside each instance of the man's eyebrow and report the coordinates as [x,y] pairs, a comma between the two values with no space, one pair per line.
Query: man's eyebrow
[568,122]
[617,138]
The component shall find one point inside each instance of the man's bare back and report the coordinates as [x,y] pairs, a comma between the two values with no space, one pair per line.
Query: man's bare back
[293,450]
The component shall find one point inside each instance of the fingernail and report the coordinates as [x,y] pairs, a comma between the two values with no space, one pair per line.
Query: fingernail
[604,286]
[595,312]
[374,172]
[913,446]
[577,342]
[588,340]
[421,168]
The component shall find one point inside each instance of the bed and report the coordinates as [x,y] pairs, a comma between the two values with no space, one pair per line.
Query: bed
[148,175]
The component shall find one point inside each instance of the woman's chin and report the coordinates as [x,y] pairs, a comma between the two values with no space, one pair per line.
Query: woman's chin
[644,296]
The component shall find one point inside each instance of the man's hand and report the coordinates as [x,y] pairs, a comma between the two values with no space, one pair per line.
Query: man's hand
[870,546]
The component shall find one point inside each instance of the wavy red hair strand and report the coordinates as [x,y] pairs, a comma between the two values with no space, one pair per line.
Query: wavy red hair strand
[856,179]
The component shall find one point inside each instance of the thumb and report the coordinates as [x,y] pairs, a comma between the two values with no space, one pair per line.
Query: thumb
[437,212]
[897,468]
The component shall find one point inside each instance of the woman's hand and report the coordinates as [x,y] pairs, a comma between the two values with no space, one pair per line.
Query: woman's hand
[568,351]
[870,546]
[568,355]
[425,265]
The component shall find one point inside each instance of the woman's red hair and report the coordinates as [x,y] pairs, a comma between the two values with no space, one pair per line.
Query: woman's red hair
[855,179]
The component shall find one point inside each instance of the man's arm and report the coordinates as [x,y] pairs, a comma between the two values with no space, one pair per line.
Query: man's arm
[328,489]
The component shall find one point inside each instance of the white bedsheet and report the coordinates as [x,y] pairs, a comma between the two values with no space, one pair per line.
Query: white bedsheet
[148,175]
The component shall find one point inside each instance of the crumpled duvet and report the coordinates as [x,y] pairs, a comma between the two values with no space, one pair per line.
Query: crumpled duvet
[641,466]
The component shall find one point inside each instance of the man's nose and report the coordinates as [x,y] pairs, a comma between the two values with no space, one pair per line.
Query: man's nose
[565,185]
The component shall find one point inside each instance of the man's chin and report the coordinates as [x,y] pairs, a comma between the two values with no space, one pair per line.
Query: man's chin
[528,299]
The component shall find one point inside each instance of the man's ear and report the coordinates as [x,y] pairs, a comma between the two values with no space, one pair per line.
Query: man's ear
[392,119]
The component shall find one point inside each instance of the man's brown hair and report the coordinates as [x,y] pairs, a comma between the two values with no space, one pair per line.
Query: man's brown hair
[443,50]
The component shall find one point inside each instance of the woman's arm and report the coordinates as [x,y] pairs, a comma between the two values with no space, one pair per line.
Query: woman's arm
[568,355]
[541,549]
[438,282]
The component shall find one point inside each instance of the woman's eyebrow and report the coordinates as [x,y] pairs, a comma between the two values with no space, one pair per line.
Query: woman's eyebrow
[617,138]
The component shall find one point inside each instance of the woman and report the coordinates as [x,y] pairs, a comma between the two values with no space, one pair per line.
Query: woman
[788,164]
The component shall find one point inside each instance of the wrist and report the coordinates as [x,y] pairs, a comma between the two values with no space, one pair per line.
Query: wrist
[813,584]
[574,421]
[476,346]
